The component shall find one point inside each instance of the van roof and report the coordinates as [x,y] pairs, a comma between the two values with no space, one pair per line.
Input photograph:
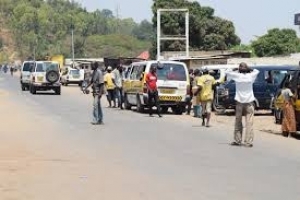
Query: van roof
[155,61]
[224,66]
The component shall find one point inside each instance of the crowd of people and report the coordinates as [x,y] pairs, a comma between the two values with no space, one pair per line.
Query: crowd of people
[202,91]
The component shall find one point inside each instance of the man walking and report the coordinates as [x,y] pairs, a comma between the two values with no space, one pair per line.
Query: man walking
[110,87]
[118,81]
[244,78]
[151,80]
[97,83]
[206,83]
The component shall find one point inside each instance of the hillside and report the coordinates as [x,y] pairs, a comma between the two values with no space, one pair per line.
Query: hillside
[46,27]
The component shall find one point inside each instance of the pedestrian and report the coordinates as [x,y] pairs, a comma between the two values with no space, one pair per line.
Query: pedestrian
[153,99]
[289,119]
[11,70]
[189,103]
[244,78]
[110,87]
[118,82]
[206,84]
[97,83]
[197,108]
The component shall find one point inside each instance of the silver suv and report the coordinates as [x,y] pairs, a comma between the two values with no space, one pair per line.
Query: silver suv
[45,76]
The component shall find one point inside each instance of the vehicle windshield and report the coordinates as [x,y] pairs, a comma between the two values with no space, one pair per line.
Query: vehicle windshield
[47,66]
[75,72]
[28,67]
[170,71]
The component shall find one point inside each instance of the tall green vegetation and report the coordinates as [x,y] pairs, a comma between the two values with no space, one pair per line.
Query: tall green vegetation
[45,26]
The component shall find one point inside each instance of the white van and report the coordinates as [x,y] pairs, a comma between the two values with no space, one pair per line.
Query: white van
[26,69]
[173,85]
[72,76]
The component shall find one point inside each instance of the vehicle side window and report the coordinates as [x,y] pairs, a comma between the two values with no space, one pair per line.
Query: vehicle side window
[275,76]
[133,72]
[65,72]
[137,72]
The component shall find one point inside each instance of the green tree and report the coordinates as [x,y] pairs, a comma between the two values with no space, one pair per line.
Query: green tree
[277,42]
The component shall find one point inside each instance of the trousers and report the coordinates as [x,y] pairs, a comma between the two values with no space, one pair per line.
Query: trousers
[248,110]
[153,101]
[97,109]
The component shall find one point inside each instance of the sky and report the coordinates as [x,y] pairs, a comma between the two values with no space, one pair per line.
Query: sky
[251,18]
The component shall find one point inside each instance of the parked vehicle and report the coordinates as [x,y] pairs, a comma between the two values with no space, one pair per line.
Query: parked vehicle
[293,77]
[72,76]
[264,88]
[26,69]
[45,76]
[173,85]
[218,71]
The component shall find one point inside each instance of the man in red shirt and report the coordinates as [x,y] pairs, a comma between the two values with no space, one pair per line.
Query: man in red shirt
[153,100]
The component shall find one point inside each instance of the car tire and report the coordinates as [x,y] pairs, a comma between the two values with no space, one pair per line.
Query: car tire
[23,87]
[219,110]
[52,76]
[178,110]
[33,90]
[139,107]
[278,116]
[164,109]
[127,105]
[58,91]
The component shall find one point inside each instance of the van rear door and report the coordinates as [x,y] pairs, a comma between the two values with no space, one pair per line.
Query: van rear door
[173,81]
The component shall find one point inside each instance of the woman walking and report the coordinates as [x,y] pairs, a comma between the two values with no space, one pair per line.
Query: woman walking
[289,118]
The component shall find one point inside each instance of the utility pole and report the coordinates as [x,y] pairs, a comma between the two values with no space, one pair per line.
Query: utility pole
[118,18]
[73,52]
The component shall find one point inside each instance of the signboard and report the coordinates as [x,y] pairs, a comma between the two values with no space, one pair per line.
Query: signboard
[297,19]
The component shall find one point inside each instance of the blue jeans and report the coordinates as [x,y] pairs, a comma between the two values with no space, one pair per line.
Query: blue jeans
[119,96]
[97,110]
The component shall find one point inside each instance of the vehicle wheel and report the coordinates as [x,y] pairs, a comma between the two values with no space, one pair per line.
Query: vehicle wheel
[219,110]
[126,103]
[58,91]
[278,116]
[23,87]
[178,110]
[164,109]
[33,90]
[52,76]
[285,134]
[139,106]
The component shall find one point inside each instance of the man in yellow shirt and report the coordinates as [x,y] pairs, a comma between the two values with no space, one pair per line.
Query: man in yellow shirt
[206,83]
[110,87]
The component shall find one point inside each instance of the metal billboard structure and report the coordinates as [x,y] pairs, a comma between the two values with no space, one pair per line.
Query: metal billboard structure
[174,38]
[297,19]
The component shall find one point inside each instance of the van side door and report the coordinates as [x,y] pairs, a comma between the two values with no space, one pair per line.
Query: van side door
[259,88]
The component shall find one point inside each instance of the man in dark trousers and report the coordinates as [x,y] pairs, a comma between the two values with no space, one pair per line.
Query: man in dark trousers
[153,100]
[97,83]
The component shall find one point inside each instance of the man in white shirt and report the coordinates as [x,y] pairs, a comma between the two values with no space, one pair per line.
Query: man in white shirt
[244,78]
[118,81]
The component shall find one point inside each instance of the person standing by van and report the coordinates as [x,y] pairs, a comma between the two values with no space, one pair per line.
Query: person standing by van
[244,78]
[289,118]
[118,82]
[197,108]
[151,83]
[189,103]
[110,87]
[206,83]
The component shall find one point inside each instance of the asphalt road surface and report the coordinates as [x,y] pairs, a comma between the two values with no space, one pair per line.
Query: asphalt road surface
[50,151]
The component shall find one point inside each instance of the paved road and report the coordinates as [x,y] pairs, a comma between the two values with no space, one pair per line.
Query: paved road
[137,157]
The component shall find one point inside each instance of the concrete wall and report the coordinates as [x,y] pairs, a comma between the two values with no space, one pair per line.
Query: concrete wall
[266,60]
